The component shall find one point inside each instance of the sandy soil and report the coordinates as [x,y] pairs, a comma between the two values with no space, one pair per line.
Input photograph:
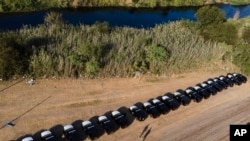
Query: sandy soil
[51,103]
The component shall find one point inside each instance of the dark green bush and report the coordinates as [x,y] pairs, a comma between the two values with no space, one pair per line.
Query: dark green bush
[246,35]
[135,1]
[242,58]
[221,33]
[156,57]
[12,56]
[210,15]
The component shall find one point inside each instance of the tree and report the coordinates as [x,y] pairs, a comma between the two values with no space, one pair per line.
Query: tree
[209,15]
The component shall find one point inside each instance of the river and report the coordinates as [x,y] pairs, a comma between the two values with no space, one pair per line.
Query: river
[141,17]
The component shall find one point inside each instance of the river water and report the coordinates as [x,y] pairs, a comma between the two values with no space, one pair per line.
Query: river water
[142,17]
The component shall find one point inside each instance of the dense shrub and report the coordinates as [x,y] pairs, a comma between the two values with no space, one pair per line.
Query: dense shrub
[98,50]
[242,58]
[209,16]
[221,33]
[34,5]
[12,55]
[246,35]
[212,26]
[156,57]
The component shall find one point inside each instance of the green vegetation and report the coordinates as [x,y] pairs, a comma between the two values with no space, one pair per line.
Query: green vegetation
[59,49]
[242,58]
[213,26]
[238,2]
[34,5]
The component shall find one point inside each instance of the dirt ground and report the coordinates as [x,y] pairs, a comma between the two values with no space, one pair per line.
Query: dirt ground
[51,103]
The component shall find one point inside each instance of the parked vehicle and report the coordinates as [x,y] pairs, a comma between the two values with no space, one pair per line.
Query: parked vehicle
[138,113]
[69,132]
[151,110]
[228,81]
[220,82]
[28,139]
[120,118]
[193,95]
[208,88]
[182,98]
[235,79]
[161,107]
[202,91]
[217,86]
[90,129]
[170,102]
[241,77]
[47,136]
[106,124]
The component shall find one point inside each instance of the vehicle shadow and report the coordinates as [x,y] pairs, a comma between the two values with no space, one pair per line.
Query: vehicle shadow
[80,134]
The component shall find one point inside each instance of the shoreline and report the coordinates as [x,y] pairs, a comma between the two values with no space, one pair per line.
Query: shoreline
[119,6]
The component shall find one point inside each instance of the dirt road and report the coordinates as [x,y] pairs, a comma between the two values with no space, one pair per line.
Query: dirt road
[51,103]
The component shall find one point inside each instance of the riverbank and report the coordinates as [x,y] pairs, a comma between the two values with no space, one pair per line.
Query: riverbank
[36,5]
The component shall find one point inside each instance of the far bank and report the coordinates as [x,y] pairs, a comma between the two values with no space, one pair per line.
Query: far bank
[37,5]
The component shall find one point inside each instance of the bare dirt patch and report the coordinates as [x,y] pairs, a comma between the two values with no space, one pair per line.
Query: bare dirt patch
[69,100]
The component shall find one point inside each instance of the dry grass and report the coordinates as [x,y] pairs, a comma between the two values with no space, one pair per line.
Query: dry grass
[72,100]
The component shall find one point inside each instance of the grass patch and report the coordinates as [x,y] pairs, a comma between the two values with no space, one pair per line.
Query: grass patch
[239,2]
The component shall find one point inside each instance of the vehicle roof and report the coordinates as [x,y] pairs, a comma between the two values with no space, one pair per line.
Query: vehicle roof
[101,118]
[156,100]
[67,127]
[115,113]
[28,139]
[234,74]
[197,87]
[177,93]
[146,104]
[85,123]
[203,84]
[45,133]
[165,97]
[209,82]
[188,91]
[133,107]
[222,77]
